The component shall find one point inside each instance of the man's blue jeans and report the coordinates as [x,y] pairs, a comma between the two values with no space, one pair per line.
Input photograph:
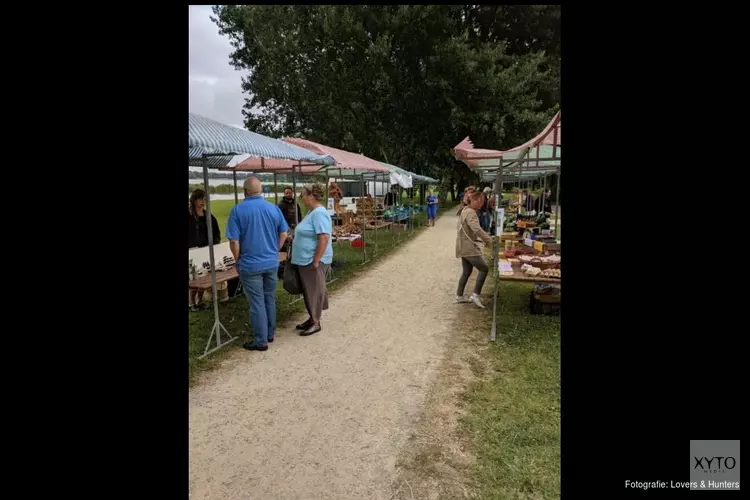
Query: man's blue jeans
[260,289]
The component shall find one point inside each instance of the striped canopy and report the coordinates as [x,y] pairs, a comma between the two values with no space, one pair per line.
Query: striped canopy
[246,163]
[354,163]
[223,142]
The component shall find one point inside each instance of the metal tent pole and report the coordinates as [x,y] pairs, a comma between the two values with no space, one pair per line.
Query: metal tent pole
[375,211]
[294,176]
[217,327]
[364,219]
[234,178]
[296,217]
[275,189]
[496,250]
[557,203]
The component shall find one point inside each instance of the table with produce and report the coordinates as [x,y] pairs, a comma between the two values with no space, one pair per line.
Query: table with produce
[538,264]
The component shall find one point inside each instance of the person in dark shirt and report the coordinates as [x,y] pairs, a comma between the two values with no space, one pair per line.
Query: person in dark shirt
[198,235]
[543,202]
[390,198]
[287,205]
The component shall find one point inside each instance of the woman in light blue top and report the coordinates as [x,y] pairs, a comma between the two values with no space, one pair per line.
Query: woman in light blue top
[312,253]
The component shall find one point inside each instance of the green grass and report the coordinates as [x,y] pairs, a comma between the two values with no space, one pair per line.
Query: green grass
[234,313]
[220,209]
[513,415]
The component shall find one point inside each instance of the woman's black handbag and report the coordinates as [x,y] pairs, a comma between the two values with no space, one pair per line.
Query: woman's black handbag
[291,281]
[289,274]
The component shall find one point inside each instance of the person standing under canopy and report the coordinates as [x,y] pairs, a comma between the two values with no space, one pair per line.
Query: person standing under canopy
[198,237]
[287,205]
[257,231]
[313,254]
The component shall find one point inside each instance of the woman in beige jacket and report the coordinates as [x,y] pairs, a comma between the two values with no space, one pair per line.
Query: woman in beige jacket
[468,232]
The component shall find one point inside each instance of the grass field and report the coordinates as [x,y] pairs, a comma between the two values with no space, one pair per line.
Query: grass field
[234,313]
[513,417]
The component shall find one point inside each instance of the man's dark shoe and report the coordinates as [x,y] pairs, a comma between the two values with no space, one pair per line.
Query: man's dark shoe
[270,341]
[311,330]
[250,346]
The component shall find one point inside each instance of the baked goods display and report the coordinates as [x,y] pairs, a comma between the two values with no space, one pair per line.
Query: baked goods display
[551,273]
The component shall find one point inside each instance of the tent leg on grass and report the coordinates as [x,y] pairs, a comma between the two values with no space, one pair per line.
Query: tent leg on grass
[493,332]
[216,330]
[218,327]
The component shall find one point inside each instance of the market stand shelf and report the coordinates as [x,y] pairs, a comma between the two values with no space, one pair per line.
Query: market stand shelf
[518,275]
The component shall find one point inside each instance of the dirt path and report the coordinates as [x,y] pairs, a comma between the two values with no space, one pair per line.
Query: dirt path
[326,417]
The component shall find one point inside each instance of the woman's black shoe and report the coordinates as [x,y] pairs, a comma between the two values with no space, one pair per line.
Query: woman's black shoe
[304,326]
[311,330]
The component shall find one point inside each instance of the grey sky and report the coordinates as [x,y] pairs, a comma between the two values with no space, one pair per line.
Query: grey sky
[215,86]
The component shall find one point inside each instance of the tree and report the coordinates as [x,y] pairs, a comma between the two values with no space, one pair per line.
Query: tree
[523,29]
[400,83]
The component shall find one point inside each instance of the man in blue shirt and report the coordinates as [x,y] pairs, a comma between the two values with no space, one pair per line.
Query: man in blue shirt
[256,231]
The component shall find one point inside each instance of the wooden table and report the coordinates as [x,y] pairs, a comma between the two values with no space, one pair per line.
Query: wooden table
[518,275]
[204,282]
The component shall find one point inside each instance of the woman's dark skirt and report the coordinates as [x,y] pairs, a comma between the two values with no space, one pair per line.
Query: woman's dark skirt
[314,289]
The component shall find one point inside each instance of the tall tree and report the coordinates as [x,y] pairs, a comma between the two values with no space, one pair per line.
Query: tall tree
[401,83]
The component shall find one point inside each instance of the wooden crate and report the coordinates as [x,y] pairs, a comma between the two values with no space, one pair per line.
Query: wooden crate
[544,304]
[222,293]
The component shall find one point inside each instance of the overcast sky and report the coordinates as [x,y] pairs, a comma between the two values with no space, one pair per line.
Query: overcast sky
[215,86]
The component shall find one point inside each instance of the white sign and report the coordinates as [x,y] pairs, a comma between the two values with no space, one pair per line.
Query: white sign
[330,203]
[500,222]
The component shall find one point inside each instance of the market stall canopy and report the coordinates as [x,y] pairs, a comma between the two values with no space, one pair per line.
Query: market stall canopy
[422,179]
[522,175]
[544,150]
[354,163]
[402,177]
[246,163]
[399,176]
[218,144]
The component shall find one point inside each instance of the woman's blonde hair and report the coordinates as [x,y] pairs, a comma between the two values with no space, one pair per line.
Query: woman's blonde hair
[314,190]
